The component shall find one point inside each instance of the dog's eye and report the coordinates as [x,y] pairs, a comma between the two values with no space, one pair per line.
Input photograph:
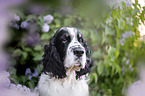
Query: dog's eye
[81,40]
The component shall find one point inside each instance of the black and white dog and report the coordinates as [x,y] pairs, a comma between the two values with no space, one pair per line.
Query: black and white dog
[66,59]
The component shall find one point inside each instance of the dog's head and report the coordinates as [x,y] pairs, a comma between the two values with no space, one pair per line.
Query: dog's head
[67,50]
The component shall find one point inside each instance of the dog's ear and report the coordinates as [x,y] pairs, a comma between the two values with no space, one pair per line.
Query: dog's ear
[53,65]
[89,63]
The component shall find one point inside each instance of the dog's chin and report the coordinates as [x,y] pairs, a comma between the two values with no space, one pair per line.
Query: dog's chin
[76,67]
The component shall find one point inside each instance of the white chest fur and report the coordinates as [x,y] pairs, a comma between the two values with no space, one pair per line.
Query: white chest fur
[68,86]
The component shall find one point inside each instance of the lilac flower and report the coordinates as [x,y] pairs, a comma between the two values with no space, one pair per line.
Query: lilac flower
[35,74]
[126,34]
[132,69]
[127,62]
[121,42]
[32,39]
[35,89]
[122,69]
[128,3]
[117,3]
[45,28]
[12,86]
[131,23]
[26,89]
[48,19]
[28,72]
[16,17]
[4,80]
[30,77]
[24,24]
[14,25]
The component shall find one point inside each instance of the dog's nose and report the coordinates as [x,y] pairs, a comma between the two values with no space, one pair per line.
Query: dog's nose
[78,52]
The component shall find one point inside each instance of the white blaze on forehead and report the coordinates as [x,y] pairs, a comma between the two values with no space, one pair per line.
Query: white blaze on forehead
[72,32]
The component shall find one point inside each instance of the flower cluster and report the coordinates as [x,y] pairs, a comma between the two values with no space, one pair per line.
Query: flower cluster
[4,80]
[13,21]
[47,20]
[30,74]
[117,3]
[27,24]
[126,35]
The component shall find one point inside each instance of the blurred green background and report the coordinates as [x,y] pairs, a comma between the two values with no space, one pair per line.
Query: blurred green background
[110,28]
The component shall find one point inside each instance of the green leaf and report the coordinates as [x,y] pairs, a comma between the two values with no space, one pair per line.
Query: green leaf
[45,36]
[27,49]
[17,52]
[67,22]
[12,71]
[38,48]
[97,54]
[111,51]
[135,11]
[136,1]
[100,68]
[31,17]
[95,77]
[31,84]
[24,55]
[37,56]
[57,21]
[116,53]
[108,31]
[14,78]
[40,68]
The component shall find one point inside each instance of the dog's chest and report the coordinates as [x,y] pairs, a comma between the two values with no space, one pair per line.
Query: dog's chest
[72,87]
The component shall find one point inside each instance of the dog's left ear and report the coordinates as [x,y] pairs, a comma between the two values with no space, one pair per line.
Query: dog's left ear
[53,65]
[89,63]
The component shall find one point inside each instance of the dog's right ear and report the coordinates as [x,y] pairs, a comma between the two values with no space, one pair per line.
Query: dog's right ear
[53,65]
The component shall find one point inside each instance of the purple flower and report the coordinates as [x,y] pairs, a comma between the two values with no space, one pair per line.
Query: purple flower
[126,34]
[35,74]
[132,69]
[4,80]
[32,39]
[28,72]
[48,19]
[14,25]
[30,76]
[45,28]
[24,24]
[121,42]
[127,62]
[16,17]
[26,89]
[35,89]
[131,23]
[128,3]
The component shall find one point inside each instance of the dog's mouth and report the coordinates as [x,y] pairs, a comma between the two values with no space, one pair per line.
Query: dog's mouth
[77,66]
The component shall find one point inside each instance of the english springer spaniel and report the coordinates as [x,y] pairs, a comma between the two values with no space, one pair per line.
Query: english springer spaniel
[66,59]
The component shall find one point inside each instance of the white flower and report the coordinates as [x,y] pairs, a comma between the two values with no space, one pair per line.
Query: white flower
[16,17]
[45,28]
[24,24]
[48,19]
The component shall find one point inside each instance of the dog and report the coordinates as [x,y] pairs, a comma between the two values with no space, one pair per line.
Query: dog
[67,61]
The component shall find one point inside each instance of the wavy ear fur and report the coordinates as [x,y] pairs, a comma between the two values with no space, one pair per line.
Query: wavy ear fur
[53,65]
[89,63]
